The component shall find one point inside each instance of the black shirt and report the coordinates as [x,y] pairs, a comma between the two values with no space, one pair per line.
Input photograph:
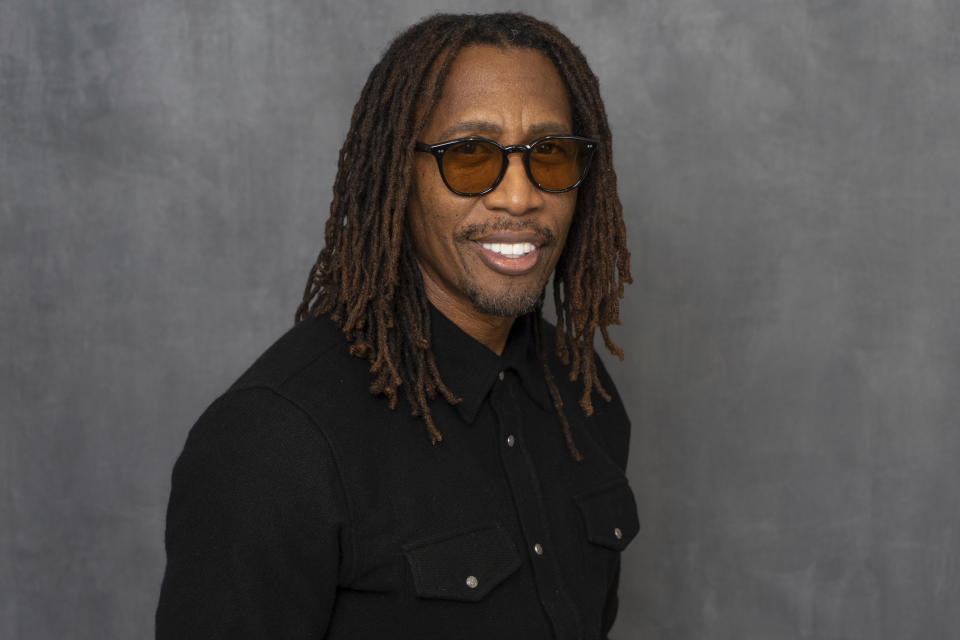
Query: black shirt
[303,507]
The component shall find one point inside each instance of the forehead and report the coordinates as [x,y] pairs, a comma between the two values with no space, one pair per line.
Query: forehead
[508,87]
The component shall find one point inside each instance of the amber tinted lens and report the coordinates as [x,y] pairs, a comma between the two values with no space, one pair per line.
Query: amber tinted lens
[472,166]
[558,164]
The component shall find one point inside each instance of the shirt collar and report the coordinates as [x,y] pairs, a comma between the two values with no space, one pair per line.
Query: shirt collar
[470,369]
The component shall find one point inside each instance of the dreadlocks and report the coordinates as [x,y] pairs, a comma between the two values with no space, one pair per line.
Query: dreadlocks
[366,277]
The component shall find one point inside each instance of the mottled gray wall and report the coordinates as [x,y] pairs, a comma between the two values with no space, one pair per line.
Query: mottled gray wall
[789,169]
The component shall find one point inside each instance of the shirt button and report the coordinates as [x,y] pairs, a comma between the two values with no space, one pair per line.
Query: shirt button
[617,532]
[472,582]
[538,549]
[501,376]
[511,440]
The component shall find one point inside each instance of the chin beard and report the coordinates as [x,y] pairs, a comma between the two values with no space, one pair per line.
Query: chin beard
[504,304]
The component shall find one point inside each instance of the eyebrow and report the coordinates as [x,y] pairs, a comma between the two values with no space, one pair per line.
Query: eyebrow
[490,128]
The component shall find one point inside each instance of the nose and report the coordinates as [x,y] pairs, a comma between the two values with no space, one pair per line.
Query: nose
[515,194]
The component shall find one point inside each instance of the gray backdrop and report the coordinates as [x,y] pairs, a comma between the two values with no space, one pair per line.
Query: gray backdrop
[789,172]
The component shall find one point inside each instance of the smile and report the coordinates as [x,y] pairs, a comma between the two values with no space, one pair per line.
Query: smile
[509,250]
[509,258]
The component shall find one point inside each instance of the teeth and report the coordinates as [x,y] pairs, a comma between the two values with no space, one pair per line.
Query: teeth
[514,250]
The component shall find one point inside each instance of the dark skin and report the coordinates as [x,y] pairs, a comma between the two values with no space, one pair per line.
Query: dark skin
[467,247]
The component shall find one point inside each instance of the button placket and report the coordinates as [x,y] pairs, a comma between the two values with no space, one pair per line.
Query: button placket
[523,482]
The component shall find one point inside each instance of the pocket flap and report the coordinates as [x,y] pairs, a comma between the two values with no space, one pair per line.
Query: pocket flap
[462,565]
[609,514]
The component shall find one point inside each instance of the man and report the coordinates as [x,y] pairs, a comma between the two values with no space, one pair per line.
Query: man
[308,501]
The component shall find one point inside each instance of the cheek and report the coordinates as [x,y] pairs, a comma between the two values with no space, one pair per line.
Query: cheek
[419,204]
[429,226]
[433,227]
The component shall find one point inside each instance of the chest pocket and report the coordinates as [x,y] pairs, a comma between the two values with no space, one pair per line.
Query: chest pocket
[462,565]
[609,514]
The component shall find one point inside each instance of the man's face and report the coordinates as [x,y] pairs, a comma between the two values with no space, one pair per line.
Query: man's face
[467,246]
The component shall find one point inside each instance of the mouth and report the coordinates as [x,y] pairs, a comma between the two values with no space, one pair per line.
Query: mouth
[509,253]
[509,250]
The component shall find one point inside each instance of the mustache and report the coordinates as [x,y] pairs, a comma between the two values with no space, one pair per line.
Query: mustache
[470,232]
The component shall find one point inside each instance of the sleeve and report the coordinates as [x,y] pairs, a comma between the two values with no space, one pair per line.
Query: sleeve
[253,525]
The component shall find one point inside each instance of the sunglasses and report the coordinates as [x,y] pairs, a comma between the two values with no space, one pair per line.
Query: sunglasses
[475,166]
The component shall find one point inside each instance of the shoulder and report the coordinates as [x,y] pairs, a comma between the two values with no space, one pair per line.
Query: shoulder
[289,402]
[253,438]
[263,417]
[311,368]
[265,444]
[296,354]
